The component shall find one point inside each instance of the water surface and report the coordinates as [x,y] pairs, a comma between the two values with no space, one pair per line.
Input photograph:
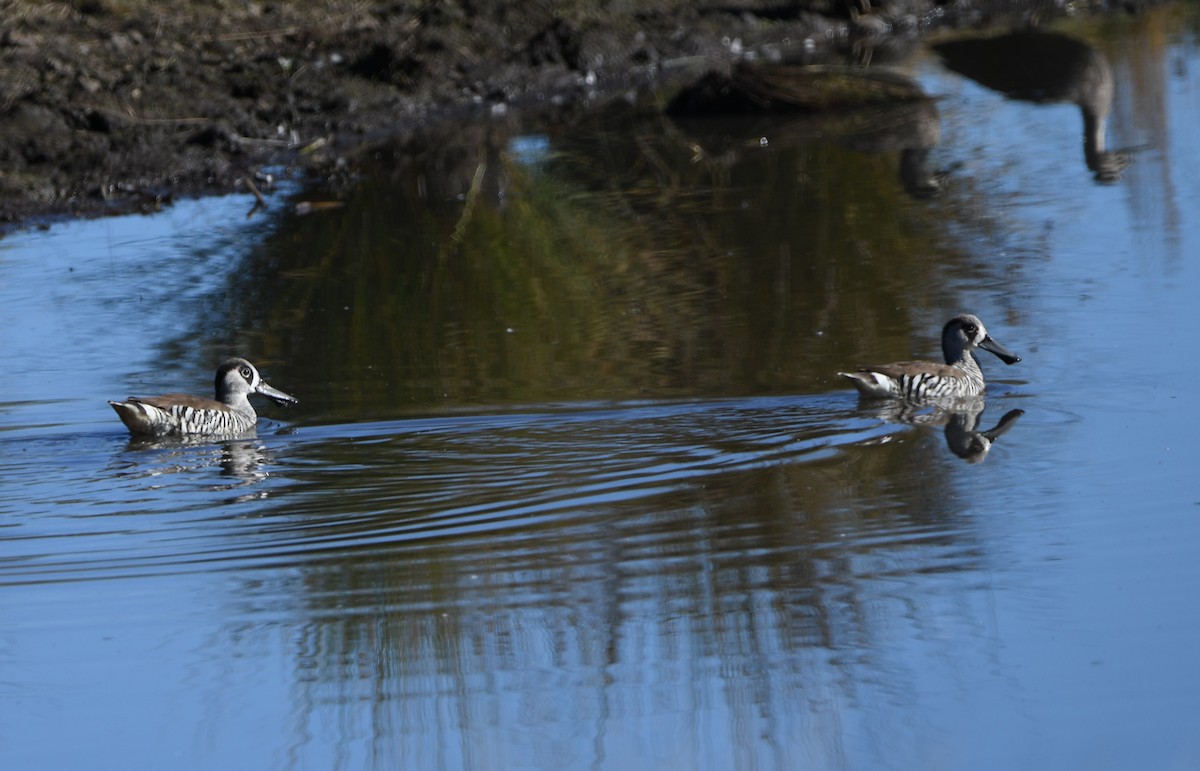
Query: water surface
[573,482]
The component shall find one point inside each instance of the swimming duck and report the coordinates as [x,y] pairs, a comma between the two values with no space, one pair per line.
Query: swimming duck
[229,414]
[925,380]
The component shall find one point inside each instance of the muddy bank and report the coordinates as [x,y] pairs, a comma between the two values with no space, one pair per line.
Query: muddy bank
[120,105]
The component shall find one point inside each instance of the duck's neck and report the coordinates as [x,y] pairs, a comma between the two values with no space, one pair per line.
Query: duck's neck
[239,403]
[966,362]
[971,370]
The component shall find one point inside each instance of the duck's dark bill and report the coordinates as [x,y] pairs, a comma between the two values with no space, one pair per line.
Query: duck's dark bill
[1005,355]
[275,395]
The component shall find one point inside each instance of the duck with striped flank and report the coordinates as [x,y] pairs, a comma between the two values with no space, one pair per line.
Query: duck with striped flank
[230,414]
[923,381]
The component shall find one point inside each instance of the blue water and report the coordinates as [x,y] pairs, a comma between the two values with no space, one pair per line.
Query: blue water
[658,570]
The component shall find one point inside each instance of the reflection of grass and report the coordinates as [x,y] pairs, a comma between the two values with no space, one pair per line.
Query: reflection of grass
[624,267]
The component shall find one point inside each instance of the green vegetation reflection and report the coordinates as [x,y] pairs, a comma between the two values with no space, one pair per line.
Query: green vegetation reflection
[623,262]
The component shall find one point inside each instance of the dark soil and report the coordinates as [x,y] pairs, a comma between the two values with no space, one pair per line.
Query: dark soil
[120,105]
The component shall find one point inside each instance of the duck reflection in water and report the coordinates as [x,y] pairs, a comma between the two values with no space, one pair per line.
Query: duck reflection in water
[869,111]
[958,417]
[1045,67]
[241,459]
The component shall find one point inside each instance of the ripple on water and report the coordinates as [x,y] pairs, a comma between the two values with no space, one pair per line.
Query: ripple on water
[103,506]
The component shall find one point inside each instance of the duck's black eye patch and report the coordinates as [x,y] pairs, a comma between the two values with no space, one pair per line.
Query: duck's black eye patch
[246,373]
